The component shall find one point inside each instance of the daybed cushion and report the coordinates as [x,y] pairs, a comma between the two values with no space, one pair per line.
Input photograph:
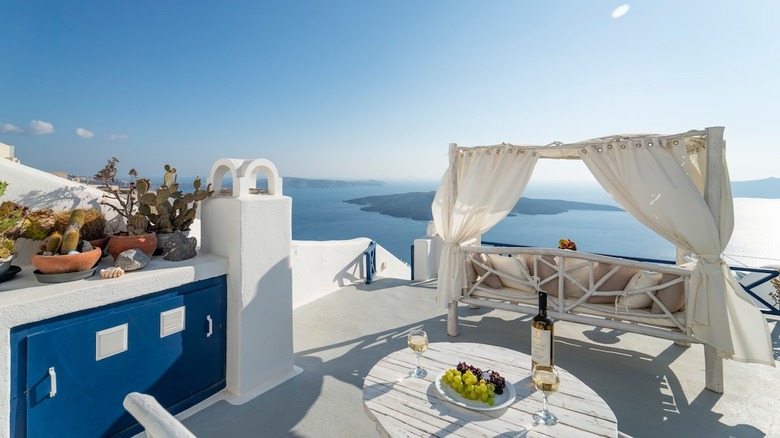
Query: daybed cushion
[577,280]
[544,271]
[672,297]
[514,266]
[471,273]
[640,280]
[490,279]
[616,282]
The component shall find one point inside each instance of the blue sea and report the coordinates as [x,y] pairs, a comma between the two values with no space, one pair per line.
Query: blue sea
[322,214]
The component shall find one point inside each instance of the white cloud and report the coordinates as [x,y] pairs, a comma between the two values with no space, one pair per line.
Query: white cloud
[8,128]
[84,133]
[39,127]
[116,137]
[620,11]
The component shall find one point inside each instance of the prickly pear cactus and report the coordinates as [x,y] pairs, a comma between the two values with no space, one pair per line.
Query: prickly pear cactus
[169,209]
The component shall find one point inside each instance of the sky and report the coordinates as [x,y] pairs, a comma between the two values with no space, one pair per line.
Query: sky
[378,89]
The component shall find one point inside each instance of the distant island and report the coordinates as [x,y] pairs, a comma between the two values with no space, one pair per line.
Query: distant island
[305,183]
[417,205]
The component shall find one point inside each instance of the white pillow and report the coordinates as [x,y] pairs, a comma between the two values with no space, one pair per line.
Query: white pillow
[514,266]
[640,280]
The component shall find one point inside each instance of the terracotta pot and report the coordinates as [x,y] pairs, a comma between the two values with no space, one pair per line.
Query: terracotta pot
[60,264]
[122,242]
[100,243]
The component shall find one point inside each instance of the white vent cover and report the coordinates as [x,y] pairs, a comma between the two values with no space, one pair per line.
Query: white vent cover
[110,341]
[171,321]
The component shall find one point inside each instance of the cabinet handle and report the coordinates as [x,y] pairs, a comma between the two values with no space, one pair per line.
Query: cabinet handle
[211,326]
[53,377]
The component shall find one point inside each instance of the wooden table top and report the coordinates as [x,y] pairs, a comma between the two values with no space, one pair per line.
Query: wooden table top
[404,406]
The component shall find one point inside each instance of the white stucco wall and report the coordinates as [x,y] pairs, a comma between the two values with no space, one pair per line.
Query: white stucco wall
[38,189]
[322,267]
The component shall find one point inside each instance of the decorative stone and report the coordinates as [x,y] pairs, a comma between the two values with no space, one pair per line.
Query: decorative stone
[131,260]
[179,247]
[112,272]
[85,246]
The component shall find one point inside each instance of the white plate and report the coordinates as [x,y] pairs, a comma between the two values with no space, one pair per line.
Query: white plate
[500,401]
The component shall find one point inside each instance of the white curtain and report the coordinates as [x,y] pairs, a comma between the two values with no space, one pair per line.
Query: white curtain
[489,182]
[651,183]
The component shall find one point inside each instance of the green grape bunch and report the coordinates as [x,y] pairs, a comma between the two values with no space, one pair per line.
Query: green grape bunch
[473,384]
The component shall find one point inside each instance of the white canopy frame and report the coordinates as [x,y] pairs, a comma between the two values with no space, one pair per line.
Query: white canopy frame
[677,185]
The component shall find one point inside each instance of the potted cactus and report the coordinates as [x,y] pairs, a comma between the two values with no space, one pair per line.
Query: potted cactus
[66,252]
[169,209]
[125,204]
[93,229]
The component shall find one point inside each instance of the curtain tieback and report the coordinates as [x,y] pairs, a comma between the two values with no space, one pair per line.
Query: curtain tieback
[706,267]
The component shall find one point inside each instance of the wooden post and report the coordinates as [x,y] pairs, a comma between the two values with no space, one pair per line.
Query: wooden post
[452,319]
[452,311]
[713,191]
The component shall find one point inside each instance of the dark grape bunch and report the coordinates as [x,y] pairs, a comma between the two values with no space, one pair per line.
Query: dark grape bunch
[489,376]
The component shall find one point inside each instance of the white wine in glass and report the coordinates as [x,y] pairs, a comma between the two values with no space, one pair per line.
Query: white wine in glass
[418,342]
[546,380]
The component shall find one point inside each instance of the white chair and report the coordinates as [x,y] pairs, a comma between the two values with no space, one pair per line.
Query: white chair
[156,421]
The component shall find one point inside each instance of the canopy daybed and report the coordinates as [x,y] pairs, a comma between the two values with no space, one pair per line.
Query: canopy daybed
[677,185]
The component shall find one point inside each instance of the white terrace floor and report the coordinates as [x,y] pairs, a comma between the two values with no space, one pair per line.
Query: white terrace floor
[655,387]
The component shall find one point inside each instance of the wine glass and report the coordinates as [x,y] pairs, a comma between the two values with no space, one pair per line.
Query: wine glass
[546,380]
[418,342]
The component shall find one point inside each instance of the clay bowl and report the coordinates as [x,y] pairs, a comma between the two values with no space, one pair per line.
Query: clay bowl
[147,243]
[60,264]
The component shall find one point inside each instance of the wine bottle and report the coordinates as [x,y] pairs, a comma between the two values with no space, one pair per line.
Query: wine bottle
[542,333]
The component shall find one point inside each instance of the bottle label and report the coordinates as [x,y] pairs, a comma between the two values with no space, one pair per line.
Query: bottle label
[541,341]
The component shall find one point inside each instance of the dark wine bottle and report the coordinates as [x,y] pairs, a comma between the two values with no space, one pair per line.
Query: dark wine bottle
[542,335]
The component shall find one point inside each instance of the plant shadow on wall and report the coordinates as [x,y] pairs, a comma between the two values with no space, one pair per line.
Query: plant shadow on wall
[63,198]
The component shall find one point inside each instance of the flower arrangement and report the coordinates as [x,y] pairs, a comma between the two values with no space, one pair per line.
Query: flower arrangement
[567,244]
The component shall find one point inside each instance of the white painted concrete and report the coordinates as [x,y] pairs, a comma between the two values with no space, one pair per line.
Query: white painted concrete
[322,267]
[255,233]
[38,189]
[7,152]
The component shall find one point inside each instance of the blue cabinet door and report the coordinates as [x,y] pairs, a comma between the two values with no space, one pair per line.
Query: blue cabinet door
[178,358]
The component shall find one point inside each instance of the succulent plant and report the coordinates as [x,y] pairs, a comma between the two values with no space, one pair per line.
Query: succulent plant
[169,209]
[6,247]
[70,241]
[11,218]
[123,202]
[138,224]
[94,226]
[52,244]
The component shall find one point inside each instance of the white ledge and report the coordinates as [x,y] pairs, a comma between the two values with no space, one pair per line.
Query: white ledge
[24,299]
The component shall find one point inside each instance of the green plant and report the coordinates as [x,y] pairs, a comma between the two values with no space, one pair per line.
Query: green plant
[123,201]
[169,209]
[94,226]
[11,217]
[68,241]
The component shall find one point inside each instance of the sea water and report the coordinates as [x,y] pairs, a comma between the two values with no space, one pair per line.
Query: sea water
[322,214]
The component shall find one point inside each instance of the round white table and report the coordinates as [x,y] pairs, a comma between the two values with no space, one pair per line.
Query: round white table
[402,406]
